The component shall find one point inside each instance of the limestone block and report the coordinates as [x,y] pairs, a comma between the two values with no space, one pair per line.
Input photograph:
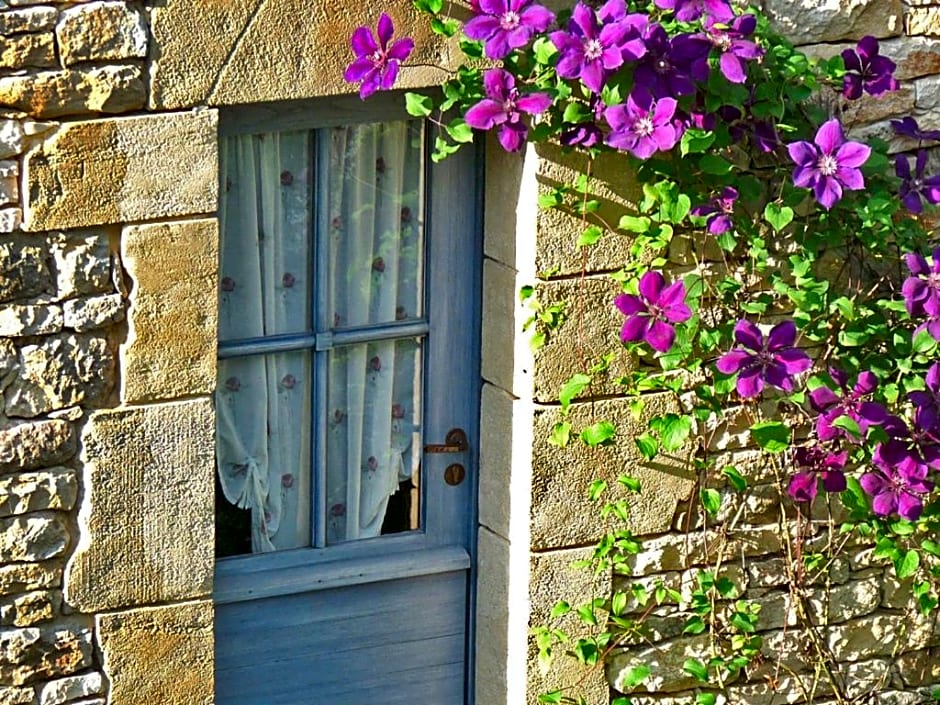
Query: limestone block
[920,667]
[212,51]
[101,31]
[173,317]
[37,653]
[27,19]
[59,372]
[561,513]
[10,219]
[115,171]
[552,578]
[147,514]
[928,92]
[9,182]
[55,488]
[28,51]
[33,537]
[17,321]
[781,690]
[914,56]
[665,661]
[82,263]
[16,696]
[92,313]
[878,635]
[591,328]
[894,105]
[835,20]
[159,655]
[923,21]
[30,608]
[24,271]
[71,688]
[37,444]
[11,138]
[511,204]
[102,89]
[8,358]
[23,577]
[671,552]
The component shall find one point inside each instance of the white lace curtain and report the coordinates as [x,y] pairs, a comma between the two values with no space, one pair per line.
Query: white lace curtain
[368,195]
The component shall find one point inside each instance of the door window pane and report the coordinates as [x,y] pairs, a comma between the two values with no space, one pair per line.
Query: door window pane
[374,184]
[265,215]
[373,440]
[263,417]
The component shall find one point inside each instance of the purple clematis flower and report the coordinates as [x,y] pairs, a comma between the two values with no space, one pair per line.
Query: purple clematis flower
[586,134]
[651,314]
[927,402]
[832,406]
[867,70]
[899,482]
[817,464]
[376,64]
[592,51]
[915,186]
[503,108]
[922,290]
[643,126]
[759,362]
[830,164]
[907,127]
[735,49]
[717,212]
[505,25]
[670,67]
[691,10]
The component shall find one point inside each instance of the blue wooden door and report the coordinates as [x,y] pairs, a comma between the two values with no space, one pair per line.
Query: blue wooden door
[357,617]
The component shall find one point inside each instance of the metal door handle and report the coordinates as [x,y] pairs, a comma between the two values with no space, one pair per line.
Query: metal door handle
[454,442]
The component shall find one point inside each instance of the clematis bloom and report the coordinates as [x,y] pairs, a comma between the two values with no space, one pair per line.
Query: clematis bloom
[829,163]
[898,483]
[376,64]
[916,186]
[868,71]
[691,10]
[651,314]
[851,403]
[643,126]
[908,127]
[758,361]
[817,464]
[735,49]
[921,290]
[718,211]
[504,25]
[503,108]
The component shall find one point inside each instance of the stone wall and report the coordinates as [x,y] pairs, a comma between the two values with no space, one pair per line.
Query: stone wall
[882,649]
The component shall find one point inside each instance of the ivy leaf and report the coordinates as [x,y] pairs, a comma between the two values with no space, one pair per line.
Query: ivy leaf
[447,28]
[772,436]
[544,51]
[711,501]
[560,434]
[696,669]
[460,131]
[907,564]
[635,676]
[706,698]
[418,105]
[601,433]
[590,236]
[778,216]
[735,478]
[560,609]
[673,430]
[572,388]
[923,342]
[647,445]
[633,224]
[576,112]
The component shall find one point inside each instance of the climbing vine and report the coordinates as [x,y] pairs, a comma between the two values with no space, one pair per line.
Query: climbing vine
[810,312]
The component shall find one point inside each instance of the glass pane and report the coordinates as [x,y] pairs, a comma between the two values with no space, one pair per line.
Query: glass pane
[373,447]
[265,215]
[372,210]
[263,453]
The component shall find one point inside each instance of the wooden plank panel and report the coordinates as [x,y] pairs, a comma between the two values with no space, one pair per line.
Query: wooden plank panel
[399,641]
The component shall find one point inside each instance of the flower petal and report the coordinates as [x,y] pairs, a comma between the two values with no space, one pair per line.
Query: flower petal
[385,30]
[748,335]
[852,154]
[750,384]
[651,284]
[782,335]
[634,328]
[660,336]
[363,43]
[829,137]
[733,360]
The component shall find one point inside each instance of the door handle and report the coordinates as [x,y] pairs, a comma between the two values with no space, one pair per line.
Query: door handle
[454,442]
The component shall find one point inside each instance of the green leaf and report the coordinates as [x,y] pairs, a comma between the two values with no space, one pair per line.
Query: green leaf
[673,430]
[695,625]
[633,224]
[621,701]
[446,28]
[544,50]
[618,603]
[711,501]
[778,216]
[713,164]
[923,342]
[635,676]
[572,388]
[648,445]
[848,424]
[772,436]
[471,49]
[696,669]
[590,236]
[601,433]
[560,609]
[695,141]
[551,698]
[735,479]
[576,112]
[550,200]
[418,105]
[907,564]
[706,698]
[560,434]
[460,131]
[430,6]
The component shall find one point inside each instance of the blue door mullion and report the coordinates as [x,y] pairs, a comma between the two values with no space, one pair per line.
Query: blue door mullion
[318,309]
